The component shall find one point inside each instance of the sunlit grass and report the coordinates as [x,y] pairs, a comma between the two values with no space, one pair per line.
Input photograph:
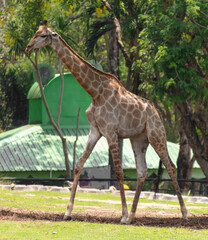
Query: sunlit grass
[88,231]
[57,201]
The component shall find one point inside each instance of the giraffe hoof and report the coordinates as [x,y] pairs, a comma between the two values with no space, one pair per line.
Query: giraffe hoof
[67,218]
[123,220]
[185,219]
[185,215]
[129,220]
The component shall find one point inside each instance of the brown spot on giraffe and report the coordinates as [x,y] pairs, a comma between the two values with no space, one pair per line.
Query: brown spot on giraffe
[76,68]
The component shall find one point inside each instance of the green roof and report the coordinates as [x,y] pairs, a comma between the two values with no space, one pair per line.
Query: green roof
[38,148]
[34,91]
[13,132]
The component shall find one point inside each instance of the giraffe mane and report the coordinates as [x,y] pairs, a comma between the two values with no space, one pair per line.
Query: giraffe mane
[82,59]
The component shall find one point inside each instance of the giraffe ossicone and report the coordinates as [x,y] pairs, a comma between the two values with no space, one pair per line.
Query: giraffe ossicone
[114,113]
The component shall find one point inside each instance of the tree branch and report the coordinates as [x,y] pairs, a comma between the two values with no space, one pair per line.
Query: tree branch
[61,71]
[75,142]
[74,17]
[56,127]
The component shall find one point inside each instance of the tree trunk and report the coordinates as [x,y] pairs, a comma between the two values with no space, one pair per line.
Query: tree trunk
[192,124]
[113,60]
[113,56]
[184,161]
[136,83]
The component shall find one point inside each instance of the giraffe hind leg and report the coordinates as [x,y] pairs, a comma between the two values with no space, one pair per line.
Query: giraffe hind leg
[159,143]
[139,146]
[172,173]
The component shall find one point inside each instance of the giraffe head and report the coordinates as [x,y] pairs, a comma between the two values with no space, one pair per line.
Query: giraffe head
[43,37]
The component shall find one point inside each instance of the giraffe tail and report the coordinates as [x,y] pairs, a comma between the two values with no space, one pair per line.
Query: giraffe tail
[157,179]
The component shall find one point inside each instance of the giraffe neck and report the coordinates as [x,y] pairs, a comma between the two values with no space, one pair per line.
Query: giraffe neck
[88,76]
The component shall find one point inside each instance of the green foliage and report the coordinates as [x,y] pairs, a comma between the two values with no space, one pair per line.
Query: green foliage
[97,29]
[175,37]
[15,80]
[18,25]
[5,113]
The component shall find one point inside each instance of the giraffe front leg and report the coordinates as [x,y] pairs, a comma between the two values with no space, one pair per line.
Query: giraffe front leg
[113,145]
[80,164]
[157,138]
[94,136]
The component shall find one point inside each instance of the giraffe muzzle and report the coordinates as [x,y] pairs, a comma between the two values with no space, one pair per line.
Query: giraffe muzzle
[28,48]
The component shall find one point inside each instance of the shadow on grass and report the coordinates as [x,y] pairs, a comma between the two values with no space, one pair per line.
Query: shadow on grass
[194,222]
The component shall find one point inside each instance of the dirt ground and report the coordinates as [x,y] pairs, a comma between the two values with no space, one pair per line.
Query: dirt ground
[143,218]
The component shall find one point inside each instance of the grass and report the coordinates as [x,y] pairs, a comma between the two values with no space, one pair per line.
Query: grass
[56,202]
[89,231]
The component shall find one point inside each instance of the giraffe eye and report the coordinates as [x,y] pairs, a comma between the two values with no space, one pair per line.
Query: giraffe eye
[43,36]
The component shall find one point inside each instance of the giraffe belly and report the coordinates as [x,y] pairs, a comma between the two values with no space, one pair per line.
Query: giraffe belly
[128,130]
[131,125]
[108,122]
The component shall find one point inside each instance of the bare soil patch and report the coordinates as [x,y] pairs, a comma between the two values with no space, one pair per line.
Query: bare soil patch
[143,218]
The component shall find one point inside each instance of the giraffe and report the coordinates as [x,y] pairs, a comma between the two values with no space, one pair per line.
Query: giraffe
[113,113]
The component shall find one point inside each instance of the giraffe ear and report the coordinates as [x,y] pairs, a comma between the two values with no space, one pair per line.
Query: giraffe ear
[54,35]
[43,23]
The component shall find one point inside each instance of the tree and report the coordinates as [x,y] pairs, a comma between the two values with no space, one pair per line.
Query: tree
[168,52]
[128,12]
[184,161]
[174,43]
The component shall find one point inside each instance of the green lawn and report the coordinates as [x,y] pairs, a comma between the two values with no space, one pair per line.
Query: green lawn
[56,202]
[90,231]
